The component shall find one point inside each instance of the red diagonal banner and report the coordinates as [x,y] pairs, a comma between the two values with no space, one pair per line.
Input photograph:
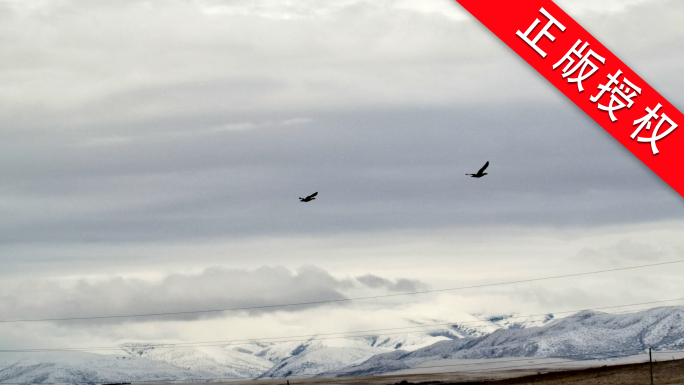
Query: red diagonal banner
[593,78]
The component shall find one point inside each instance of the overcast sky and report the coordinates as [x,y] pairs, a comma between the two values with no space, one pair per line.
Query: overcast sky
[153,152]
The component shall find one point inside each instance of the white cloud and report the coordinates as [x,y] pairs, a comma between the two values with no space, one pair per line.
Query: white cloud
[309,9]
[252,125]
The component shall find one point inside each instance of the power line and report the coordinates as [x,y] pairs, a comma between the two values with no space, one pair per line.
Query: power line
[312,337]
[339,335]
[336,300]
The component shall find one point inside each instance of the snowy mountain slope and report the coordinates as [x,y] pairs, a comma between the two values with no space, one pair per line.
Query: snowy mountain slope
[250,348]
[586,335]
[319,360]
[513,321]
[218,361]
[392,361]
[145,361]
[321,355]
[72,367]
[467,325]
[314,358]
[277,352]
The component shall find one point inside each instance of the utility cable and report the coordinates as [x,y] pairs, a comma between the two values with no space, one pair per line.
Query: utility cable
[315,337]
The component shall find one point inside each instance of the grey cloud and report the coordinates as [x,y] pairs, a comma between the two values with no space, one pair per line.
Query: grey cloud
[401,284]
[403,101]
[122,131]
[213,288]
[393,169]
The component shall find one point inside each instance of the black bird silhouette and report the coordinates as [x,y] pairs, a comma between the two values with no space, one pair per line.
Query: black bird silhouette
[480,173]
[309,198]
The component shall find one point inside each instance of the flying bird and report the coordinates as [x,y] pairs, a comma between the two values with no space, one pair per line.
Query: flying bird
[309,198]
[480,173]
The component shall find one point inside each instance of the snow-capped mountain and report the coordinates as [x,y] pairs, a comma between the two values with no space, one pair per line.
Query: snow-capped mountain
[220,362]
[309,358]
[78,367]
[163,362]
[585,335]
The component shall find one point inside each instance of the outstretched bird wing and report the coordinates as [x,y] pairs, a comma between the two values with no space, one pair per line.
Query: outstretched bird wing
[312,195]
[483,168]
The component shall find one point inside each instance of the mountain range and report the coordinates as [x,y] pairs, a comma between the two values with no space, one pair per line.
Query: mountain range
[584,336]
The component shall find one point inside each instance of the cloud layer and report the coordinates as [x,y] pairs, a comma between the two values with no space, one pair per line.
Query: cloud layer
[148,138]
[262,289]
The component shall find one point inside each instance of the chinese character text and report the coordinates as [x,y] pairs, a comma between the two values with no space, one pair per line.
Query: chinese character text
[615,102]
[646,121]
[583,63]
[544,32]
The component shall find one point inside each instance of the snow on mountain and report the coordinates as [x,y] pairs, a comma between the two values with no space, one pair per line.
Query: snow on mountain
[311,357]
[409,341]
[78,367]
[583,336]
[389,362]
[513,321]
[322,355]
[220,362]
[468,325]
[136,362]
[586,335]
[152,361]
[320,360]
